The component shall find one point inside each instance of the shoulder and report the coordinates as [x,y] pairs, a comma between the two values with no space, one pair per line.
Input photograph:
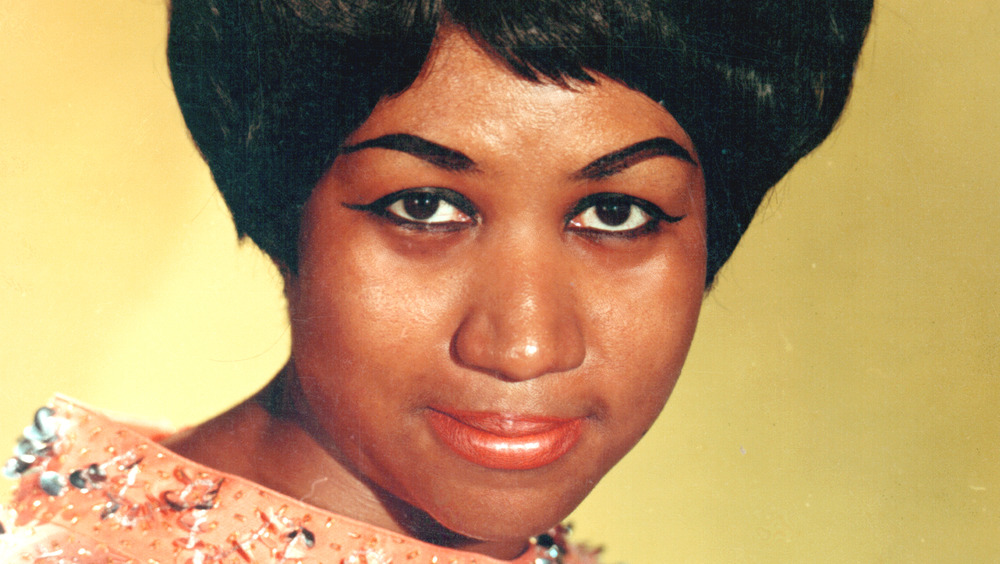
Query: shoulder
[45,543]
[46,520]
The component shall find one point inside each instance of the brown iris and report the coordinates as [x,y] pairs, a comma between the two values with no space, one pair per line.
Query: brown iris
[421,206]
[613,213]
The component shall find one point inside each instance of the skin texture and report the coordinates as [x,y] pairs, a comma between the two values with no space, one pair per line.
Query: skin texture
[517,307]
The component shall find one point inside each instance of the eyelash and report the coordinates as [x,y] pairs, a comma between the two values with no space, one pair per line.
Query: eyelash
[382,208]
[654,214]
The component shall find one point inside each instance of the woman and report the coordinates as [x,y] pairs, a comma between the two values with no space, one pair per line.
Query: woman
[496,225]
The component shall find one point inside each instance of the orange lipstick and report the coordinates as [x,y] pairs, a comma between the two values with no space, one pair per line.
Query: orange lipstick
[505,442]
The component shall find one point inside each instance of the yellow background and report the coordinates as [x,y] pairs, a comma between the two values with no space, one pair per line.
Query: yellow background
[841,400]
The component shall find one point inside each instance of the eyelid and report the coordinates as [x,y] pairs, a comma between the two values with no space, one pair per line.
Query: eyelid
[380,207]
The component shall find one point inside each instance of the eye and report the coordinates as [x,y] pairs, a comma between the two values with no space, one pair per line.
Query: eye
[617,215]
[423,208]
[611,216]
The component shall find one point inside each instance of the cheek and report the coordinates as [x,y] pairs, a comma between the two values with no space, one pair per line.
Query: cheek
[360,307]
[643,321]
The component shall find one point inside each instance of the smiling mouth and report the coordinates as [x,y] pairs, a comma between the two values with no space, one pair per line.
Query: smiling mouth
[505,442]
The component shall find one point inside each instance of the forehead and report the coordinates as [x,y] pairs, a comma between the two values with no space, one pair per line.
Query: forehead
[465,97]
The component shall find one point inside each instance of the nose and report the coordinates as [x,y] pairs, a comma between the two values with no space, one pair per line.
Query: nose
[522,320]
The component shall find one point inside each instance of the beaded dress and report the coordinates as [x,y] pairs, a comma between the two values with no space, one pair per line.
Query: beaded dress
[96,490]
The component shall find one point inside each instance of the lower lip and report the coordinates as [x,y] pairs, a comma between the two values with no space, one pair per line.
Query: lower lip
[506,443]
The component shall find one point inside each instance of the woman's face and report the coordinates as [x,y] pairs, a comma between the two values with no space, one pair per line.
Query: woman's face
[499,283]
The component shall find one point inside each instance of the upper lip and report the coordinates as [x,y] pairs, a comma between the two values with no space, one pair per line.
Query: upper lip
[505,424]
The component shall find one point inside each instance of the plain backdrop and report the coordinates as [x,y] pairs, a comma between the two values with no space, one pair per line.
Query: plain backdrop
[841,400]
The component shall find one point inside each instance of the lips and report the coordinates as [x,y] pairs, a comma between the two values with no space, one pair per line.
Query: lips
[505,442]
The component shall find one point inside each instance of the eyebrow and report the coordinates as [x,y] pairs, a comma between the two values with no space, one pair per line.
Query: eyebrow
[615,162]
[453,160]
[437,155]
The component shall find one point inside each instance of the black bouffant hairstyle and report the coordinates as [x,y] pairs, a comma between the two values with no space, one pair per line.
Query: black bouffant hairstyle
[271,88]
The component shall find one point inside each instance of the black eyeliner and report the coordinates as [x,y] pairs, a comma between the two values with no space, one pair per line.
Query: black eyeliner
[591,200]
[380,207]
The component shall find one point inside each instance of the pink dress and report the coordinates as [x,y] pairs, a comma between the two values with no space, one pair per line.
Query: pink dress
[96,490]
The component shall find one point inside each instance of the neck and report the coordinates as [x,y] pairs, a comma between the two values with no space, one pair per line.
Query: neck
[271,439]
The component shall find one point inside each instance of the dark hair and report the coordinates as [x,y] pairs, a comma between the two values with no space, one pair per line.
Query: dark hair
[270,88]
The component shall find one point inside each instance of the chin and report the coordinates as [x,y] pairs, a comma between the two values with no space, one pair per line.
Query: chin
[507,514]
